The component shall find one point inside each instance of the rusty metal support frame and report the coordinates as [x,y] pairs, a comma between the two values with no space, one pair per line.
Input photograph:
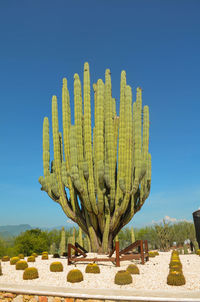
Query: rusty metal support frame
[122,255]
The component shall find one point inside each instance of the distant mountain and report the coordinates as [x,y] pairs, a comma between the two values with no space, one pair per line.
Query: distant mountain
[7,231]
[13,230]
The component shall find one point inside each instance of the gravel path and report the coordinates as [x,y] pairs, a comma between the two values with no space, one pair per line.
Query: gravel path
[153,274]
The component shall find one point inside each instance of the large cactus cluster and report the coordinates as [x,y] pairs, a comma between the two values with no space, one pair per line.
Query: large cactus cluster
[105,169]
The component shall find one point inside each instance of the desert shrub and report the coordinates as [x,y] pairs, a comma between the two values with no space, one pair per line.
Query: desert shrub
[45,257]
[31,259]
[92,268]
[65,254]
[133,269]
[123,278]
[75,275]
[21,265]
[175,278]
[21,256]
[5,258]
[14,260]
[30,273]
[56,255]
[56,267]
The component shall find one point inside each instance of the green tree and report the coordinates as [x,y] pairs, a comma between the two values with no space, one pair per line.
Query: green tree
[32,241]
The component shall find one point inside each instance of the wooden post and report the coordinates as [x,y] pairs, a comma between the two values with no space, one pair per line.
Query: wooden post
[142,251]
[117,253]
[69,253]
[146,249]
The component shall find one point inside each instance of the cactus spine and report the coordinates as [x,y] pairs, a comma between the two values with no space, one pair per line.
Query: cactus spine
[106,170]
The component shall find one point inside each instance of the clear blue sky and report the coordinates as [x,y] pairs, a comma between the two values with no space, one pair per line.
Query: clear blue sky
[156,42]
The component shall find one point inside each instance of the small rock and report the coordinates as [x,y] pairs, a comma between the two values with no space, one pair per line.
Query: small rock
[69,300]
[42,299]
[18,299]
[8,295]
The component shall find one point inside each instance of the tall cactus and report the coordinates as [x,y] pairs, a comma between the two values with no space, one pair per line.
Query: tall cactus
[62,247]
[100,175]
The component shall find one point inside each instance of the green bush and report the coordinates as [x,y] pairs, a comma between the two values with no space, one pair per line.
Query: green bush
[75,275]
[152,254]
[123,278]
[30,273]
[56,267]
[14,260]
[21,265]
[92,268]
[133,269]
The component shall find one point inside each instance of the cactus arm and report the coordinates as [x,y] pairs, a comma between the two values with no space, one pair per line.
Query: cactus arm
[121,151]
[109,137]
[56,144]
[107,224]
[66,118]
[99,154]
[88,138]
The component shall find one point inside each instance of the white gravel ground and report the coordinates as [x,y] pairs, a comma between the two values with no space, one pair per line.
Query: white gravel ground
[153,274]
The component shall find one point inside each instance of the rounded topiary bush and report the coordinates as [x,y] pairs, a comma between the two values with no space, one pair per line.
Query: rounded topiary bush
[5,258]
[30,273]
[56,267]
[75,275]
[123,278]
[45,257]
[133,269]
[31,259]
[21,256]
[56,255]
[92,268]
[175,278]
[21,265]
[14,260]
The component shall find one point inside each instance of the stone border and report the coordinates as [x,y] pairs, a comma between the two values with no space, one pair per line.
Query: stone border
[100,295]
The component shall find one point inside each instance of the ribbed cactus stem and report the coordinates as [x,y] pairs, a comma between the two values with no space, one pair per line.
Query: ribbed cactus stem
[62,248]
[88,138]
[132,235]
[80,237]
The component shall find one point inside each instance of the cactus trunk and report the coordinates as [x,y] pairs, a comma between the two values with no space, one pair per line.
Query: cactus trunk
[101,173]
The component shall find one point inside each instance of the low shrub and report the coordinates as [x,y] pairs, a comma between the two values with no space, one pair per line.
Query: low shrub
[0,269]
[152,254]
[30,273]
[123,278]
[56,255]
[56,267]
[75,275]
[21,265]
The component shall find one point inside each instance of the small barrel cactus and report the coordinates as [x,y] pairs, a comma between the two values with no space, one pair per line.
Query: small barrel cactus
[31,259]
[14,260]
[5,258]
[133,269]
[175,278]
[0,269]
[152,254]
[45,257]
[30,273]
[92,268]
[123,278]
[21,256]
[34,255]
[21,265]
[56,267]
[75,275]
[44,253]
